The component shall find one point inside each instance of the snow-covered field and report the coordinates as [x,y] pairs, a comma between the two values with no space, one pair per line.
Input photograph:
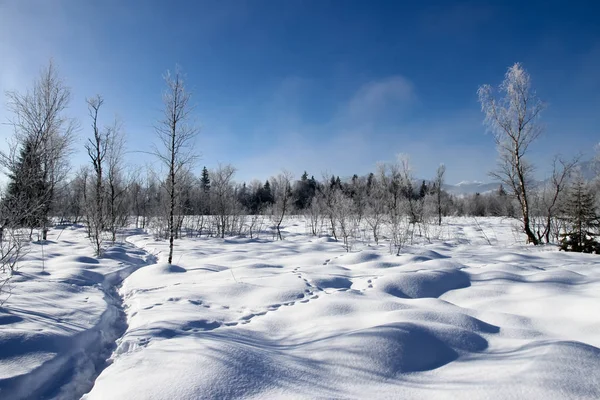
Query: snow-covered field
[475,315]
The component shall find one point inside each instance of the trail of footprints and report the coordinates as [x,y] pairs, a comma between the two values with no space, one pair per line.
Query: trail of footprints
[310,293]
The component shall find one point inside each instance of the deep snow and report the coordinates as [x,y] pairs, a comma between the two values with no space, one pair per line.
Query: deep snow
[60,323]
[473,315]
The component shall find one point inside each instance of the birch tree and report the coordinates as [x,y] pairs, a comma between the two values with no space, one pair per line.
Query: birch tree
[439,182]
[116,186]
[176,133]
[282,191]
[96,147]
[221,193]
[512,118]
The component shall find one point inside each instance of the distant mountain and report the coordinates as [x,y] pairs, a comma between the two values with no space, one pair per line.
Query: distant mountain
[588,169]
[471,187]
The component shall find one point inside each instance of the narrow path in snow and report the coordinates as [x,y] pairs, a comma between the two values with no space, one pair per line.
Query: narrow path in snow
[65,316]
[117,327]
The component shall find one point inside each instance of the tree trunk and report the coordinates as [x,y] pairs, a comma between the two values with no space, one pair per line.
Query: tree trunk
[172,194]
[531,238]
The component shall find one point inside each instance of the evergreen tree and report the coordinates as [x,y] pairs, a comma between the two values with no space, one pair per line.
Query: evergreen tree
[501,191]
[304,191]
[313,183]
[338,183]
[42,136]
[581,218]
[423,190]
[205,180]
[266,195]
[245,198]
[370,182]
[28,192]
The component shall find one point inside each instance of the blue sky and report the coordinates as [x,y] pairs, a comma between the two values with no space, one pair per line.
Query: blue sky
[322,86]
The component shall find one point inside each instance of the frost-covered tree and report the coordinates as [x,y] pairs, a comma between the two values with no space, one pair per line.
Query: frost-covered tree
[223,197]
[376,206]
[282,193]
[438,183]
[327,195]
[512,119]
[345,217]
[313,215]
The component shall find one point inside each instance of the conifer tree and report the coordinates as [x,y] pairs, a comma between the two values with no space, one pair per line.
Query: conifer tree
[205,180]
[581,218]
[266,195]
[28,192]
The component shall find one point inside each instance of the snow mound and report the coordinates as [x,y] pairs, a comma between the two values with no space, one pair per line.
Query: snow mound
[423,284]
[361,257]
[432,255]
[331,282]
[386,350]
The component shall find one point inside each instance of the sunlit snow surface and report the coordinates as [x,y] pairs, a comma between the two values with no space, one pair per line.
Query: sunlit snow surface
[471,315]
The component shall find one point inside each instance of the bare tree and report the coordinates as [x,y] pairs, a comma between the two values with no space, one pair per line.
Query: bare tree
[326,193]
[13,244]
[414,204]
[136,196]
[44,134]
[282,191]
[116,186]
[13,247]
[344,218]
[176,134]
[313,215]
[439,182]
[512,119]
[376,207]
[549,197]
[96,148]
[222,196]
